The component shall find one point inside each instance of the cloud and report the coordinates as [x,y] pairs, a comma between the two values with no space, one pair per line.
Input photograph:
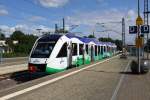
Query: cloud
[53,3]
[3,12]
[131,15]
[99,1]
[89,19]
[37,18]
[27,29]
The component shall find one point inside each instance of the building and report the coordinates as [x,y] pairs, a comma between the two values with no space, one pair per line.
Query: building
[4,47]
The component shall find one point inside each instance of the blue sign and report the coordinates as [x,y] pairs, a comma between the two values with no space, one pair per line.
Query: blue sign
[132,29]
[145,29]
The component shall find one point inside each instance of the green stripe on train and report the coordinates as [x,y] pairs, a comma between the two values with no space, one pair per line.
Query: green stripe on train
[53,70]
[79,61]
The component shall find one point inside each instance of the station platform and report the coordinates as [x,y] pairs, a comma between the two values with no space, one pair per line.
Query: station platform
[106,80]
[10,65]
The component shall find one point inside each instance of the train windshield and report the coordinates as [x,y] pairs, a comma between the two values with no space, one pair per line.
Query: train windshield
[43,50]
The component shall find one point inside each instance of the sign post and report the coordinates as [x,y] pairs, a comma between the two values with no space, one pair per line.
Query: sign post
[1,55]
[139,22]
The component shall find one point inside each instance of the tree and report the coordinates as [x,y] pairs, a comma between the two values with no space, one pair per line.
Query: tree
[10,43]
[91,36]
[2,36]
[18,35]
[25,42]
[106,40]
[61,31]
[119,44]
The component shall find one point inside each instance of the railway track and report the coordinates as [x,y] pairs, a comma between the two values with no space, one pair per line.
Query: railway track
[12,79]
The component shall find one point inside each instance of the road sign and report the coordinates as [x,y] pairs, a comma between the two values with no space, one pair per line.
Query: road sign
[139,42]
[139,21]
[145,29]
[132,29]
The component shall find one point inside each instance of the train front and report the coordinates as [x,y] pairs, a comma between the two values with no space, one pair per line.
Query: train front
[41,52]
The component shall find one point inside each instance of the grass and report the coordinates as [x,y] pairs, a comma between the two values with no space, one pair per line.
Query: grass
[11,55]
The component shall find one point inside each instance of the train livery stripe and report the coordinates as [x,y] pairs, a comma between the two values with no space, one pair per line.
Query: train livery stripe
[53,70]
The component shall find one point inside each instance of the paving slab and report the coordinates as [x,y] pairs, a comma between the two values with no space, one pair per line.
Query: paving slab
[96,83]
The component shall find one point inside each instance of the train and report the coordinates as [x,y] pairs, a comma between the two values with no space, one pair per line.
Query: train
[55,53]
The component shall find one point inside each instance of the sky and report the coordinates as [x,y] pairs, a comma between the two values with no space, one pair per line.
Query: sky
[29,15]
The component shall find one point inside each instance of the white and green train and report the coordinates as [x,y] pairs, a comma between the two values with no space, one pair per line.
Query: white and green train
[55,53]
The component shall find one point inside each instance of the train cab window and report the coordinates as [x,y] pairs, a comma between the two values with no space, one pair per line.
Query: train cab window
[95,50]
[80,49]
[74,47]
[63,51]
[43,49]
[87,49]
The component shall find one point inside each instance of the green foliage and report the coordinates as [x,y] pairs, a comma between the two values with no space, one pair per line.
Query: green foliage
[61,31]
[2,36]
[9,41]
[10,55]
[25,42]
[17,35]
[91,36]
[119,44]
[106,40]
[102,39]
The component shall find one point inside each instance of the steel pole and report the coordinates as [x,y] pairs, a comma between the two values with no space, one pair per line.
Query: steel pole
[138,36]
[147,24]
[0,55]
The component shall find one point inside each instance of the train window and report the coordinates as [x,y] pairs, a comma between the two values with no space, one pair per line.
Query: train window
[104,49]
[63,51]
[74,47]
[99,49]
[80,49]
[95,50]
[87,49]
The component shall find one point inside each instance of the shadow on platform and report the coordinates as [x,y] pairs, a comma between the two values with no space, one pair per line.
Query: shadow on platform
[101,71]
[25,76]
[111,72]
[128,73]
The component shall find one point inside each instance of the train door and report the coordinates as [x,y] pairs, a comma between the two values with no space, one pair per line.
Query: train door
[62,55]
[92,53]
[69,56]
[81,52]
[84,53]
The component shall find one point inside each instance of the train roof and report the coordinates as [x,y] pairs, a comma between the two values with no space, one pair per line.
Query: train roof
[52,37]
[55,37]
[85,40]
